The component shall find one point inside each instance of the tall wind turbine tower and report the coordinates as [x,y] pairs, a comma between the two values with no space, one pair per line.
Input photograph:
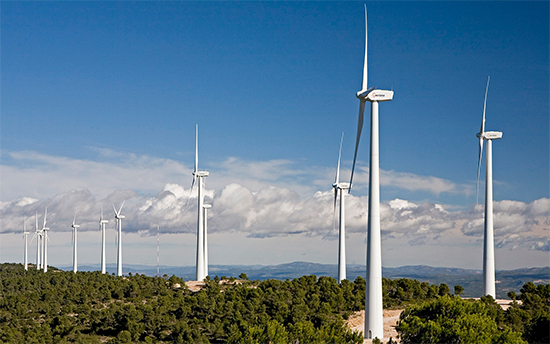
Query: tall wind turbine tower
[374,326]
[25,235]
[206,207]
[488,232]
[339,190]
[118,218]
[102,223]
[45,239]
[74,226]
[199,175]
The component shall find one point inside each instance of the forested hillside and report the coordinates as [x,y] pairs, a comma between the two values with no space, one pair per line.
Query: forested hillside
[88,307]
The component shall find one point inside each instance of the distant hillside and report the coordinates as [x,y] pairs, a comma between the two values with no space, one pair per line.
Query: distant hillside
[471,280]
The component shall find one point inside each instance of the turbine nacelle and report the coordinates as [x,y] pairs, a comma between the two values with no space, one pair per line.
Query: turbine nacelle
[379,96]
[207,206]
[75,226]
[103,221]
[341,186]
[490,135]
[201,173]
[118,217]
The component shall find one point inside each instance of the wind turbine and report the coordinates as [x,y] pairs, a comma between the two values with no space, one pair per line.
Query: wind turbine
[25,235]
[118,218]
[206,207]
[74,226]
[374,325]
[45,239]
[202,268]
[488,233]
[102,223]
[339,189]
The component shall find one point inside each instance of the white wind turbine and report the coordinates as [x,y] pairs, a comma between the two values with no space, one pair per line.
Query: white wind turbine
[202,268]
[488,233]
[102,223]
[374,326]
[74,226]
[339,189]
[45,240]
[118,218]
[25,235]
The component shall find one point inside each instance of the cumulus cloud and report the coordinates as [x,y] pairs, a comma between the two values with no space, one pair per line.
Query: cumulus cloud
[261,201]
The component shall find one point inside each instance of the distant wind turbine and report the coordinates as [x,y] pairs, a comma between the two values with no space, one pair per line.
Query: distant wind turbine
[202,268]
[45,239]
[74,226]
[102,223]
[118,218]
[339,189]
[25,235]
[374,326]
[488,233]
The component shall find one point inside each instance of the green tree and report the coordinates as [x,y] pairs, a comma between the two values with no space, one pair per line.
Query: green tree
[458,290]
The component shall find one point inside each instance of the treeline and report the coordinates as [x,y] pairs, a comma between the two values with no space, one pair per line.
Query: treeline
[454,320]
[89,307]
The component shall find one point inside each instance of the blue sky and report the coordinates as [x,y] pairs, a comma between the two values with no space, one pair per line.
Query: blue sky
[100,102]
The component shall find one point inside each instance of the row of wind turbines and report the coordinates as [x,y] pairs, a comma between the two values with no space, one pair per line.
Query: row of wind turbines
[42,240]
[373,293]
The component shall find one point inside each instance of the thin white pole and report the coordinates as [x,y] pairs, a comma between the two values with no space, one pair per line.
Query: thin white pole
[158,250]
[206,241]
[200,232]
[374,325]
[26,259]
[119,251]
[342,239]
[45,250]
[75,248]
[103,267]
[488,239]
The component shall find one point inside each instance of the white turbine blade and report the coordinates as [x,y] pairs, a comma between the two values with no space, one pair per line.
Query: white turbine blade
[74,219]
[116,214]
[337,180]
[101,216]
[365,67]
[36,221]
[45,216]
[196,148]
[359,130]
[482,130]
[479,167]
[334,210]
[122,205]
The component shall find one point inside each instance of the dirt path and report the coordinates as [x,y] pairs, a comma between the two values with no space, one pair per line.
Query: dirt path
[357,322]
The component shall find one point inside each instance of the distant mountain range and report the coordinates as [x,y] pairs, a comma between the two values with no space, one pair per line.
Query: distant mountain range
[471,280]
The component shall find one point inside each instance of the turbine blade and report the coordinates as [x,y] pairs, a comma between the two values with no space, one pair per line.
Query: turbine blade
[45,216]
[196,148]
[334,209]
[479,167]
[359,130]
[74,219]
[482,130]
[337,180]
[101,216]
[115,210]
[365,66]
[36,220]
[122,205]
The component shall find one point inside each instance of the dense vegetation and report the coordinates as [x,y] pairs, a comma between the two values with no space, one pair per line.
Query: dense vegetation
[88,307]
[454,320]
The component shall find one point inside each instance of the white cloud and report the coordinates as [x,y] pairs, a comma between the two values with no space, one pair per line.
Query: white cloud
[268,203]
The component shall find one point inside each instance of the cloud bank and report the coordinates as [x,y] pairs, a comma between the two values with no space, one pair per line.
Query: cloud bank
[267,203]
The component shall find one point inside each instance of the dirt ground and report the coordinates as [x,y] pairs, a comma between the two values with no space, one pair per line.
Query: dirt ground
[357,322]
